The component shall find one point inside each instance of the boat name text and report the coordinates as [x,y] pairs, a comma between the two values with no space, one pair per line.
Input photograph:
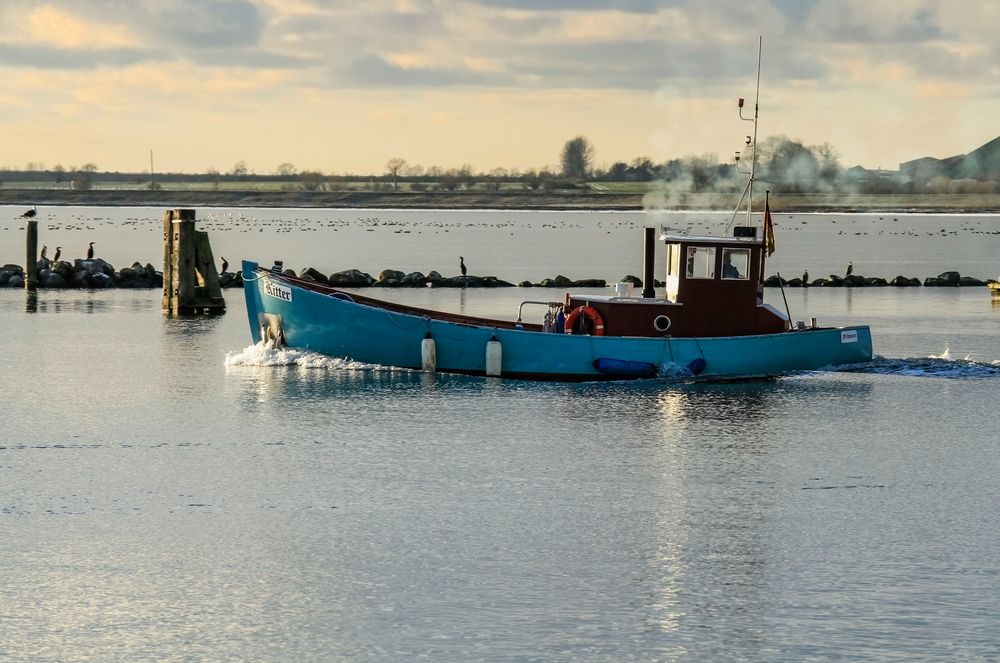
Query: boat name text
[849,336]
[278,291]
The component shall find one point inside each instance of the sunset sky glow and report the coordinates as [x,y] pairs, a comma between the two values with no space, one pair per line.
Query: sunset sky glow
[344,86]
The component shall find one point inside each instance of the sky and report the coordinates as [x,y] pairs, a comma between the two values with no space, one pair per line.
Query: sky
[344,86]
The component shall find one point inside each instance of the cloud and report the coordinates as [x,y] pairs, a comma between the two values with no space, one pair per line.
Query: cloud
[46,57]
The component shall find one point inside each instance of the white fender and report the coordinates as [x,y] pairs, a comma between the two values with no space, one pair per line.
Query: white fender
[494,357]
[428,354]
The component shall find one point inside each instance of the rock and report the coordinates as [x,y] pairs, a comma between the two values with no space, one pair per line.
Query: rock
[433,276]
[460,282]
[854,281]
[100,280]
[413,280]
[901,282]
[794,283]
[590,283]
[64,268]
[12,268]
[4,277]
[949,279]
[51,279]
[970,281]
[876,282]
[390,275]
[774,281]
[833,281]
[494,282]
[16,281]
[561,281]
[634,280]
[314,275]
[151,272]
[351,278]
[526,284]
[80,278]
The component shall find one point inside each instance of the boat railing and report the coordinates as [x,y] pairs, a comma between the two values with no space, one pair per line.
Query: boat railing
[552,306]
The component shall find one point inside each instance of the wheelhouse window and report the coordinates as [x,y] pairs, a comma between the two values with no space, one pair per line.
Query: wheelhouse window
[736,264]
[700,262]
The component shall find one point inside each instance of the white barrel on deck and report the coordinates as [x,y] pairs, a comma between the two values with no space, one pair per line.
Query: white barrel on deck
[428,354]
[494,357]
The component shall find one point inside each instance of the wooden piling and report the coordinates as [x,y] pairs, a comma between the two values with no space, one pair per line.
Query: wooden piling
[190,280]
[31,256]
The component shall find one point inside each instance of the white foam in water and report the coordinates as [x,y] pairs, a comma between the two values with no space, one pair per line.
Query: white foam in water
[937,366]
[267,355]
[946,355]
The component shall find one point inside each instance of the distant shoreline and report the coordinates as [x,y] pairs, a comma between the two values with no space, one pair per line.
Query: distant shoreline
[557,200]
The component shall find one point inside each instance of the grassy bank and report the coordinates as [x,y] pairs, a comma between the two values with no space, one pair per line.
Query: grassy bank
[607,200]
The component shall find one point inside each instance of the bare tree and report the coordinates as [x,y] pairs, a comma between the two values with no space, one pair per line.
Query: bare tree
[577,155]
[240,169]
[285,170]
[394,167]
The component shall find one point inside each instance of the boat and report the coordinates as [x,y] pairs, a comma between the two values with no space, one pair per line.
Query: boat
[709,322]
[708,326]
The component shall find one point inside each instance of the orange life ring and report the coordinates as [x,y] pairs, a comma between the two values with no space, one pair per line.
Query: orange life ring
[592,314]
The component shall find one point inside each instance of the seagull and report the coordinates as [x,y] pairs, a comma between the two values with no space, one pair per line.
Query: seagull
[90,252]
[30,214]
[461,265]
[45,248]
[850,268]
[225,264]
[55,258]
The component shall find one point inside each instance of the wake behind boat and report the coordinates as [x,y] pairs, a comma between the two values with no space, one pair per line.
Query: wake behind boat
[710,324]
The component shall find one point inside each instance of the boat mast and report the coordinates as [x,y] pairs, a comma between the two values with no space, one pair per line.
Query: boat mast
[752,145]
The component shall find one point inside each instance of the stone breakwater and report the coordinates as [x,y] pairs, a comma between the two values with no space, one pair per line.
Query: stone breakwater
[392,278]
[98,273]
[95,273]
[943,280]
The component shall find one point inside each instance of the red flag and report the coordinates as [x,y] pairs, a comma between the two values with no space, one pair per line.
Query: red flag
[768,229]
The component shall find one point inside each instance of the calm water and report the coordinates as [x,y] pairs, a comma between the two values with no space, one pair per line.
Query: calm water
[159,502]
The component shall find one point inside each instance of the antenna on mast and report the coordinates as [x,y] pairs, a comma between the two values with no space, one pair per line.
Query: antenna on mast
[751,142]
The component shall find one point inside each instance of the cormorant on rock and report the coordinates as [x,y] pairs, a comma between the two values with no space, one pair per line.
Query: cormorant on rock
[45,248]
[55,258]
[90,251]
[461,265]
[850,267]
[225,264]
[805,277]
[30,214]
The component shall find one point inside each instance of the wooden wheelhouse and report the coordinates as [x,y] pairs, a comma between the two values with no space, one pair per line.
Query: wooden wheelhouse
[714,287]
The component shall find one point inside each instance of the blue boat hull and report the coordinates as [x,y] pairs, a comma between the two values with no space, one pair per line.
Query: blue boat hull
[337,326]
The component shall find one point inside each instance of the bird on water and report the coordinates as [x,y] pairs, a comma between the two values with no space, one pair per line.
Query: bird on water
[55,258]
[90,251]
[30,214]
[850,267]
[461,265]
[225,264]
